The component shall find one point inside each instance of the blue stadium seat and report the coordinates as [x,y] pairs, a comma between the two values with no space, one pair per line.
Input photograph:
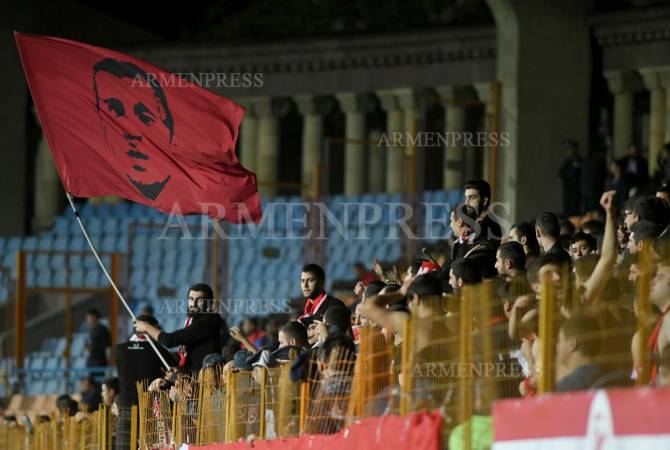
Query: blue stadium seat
[29,243]
[36,387]
[109,243]
[45,241]
[61,225]
[78,243]
[61,243]
[110,224]
[78,343]
[44,277]
[77,278]
[40,261]
[93,277]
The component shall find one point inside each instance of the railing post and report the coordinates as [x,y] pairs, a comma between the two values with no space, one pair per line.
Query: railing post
[20,310]
[464,381]
[304,393]
[133,427]
[405,388]
[261,406]
[547,338]
[643,313]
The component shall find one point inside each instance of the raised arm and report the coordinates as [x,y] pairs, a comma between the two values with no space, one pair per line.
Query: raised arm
[594,286]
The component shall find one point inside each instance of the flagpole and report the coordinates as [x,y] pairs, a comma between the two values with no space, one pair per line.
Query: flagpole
[109,278]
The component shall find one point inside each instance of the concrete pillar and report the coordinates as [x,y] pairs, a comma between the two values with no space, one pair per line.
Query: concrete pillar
[623,86]
[388,101]
[268,145]
[545,86]
[48,189]
[665,82]
[485,95]
[377,162]
[312,111]
[249,137]
[412,108]
[454,122]
[652,82]
[354,147]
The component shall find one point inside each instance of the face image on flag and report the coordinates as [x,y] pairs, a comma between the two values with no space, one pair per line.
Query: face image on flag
[141,120]
[117,125]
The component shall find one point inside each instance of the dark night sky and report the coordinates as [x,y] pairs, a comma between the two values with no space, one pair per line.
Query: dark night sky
[162,18]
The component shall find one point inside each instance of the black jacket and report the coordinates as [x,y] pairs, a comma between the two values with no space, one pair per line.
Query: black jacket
[559,252]
[490,231]
[137,361]
[200,338]
[99,339]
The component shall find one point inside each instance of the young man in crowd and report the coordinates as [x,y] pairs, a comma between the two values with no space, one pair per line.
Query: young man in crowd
[648,208]
[110,390]
[466,230]
[642,233]
[250,336]
[312,284]
[511,267]
[577,347]
[464,272]
[582,244]
[524,234]
[478,196]
[548,232]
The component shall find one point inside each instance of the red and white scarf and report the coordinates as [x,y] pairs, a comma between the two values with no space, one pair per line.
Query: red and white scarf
[182,349]
[312,306]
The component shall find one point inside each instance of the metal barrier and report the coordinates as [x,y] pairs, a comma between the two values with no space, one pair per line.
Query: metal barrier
[454,354]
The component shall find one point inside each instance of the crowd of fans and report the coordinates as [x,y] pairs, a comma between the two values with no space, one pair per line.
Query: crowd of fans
[593,267]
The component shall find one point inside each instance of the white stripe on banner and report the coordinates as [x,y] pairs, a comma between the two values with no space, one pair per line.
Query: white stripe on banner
[632,442]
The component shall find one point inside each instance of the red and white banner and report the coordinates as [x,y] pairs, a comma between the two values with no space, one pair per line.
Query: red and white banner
[415,432]
[619,419]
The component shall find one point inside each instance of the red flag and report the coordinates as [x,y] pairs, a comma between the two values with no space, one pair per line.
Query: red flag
[119,126]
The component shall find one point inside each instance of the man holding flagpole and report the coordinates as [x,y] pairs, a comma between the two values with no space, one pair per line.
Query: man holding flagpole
[201,334]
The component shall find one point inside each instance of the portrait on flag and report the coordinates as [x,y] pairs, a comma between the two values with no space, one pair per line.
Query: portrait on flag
[143,119]
[115,128]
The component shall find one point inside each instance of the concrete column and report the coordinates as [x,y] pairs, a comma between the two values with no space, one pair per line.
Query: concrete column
[268,145]
[485,95]
[249,136]
[48,190]
[354,147]
[312,111]
[665,82]
[454,122]
[545,87]
[622,85]
[376,162]
[652,82]
[388,101]
[410,103]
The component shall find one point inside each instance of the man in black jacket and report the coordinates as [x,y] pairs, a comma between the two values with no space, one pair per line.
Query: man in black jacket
[312,284]
[478,195]
[135,361]
[201,334]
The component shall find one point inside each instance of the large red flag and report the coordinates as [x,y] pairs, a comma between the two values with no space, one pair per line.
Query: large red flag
[119,126]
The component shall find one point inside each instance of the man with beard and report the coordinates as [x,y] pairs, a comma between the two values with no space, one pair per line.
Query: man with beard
[478,196]
[200,335]
[312,285]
